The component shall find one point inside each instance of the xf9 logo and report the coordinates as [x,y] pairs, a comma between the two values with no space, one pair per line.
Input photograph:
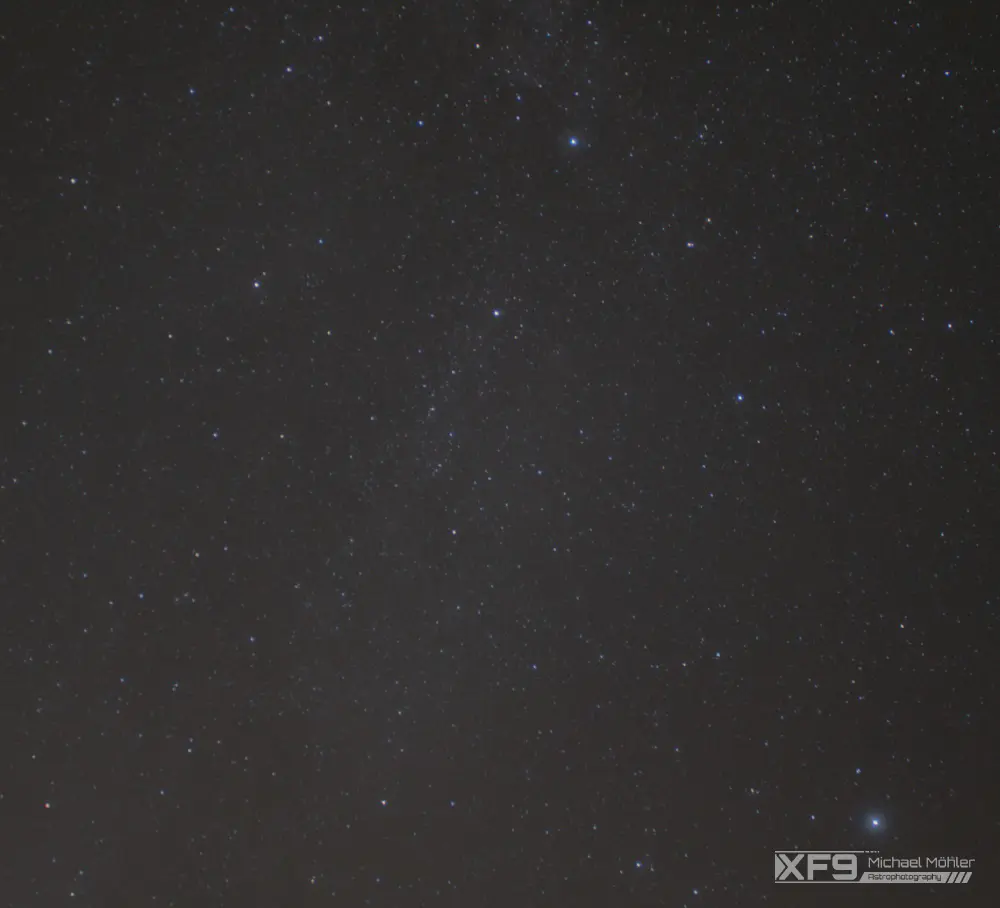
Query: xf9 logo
[815,867]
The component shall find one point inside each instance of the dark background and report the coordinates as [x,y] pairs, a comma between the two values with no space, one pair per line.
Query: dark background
[495,454]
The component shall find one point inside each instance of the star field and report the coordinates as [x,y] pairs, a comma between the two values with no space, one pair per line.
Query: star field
[495,454]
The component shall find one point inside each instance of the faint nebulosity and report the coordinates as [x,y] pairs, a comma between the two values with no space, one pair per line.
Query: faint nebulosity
[495,454]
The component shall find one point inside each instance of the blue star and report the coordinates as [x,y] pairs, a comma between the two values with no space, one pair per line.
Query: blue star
[573,141]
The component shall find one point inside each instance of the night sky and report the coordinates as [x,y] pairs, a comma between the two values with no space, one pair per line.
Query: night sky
[496,454]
